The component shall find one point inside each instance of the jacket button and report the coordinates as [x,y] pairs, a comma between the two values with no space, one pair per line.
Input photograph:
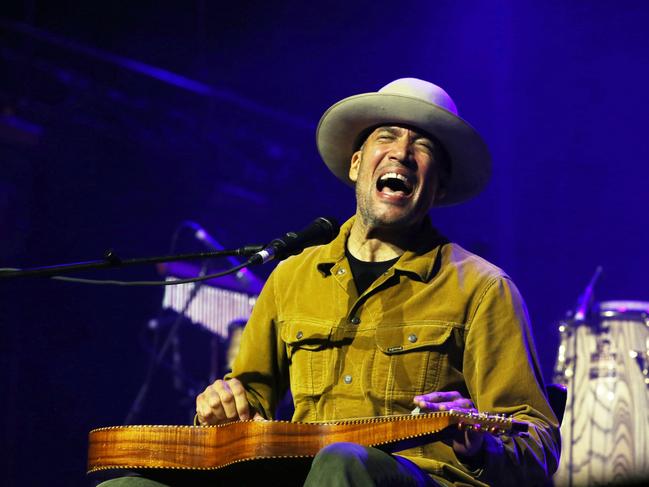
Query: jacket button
[347,379]
[355,320]
[341,271]
[412,338]
[299,335]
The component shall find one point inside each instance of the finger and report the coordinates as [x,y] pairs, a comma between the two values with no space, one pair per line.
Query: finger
[461,404]
[437,402]
[201,410]
[208,407]
[464,403]
[226,400]
[439,396]
[240,399]
[258,417]
[433,406]
[214,410]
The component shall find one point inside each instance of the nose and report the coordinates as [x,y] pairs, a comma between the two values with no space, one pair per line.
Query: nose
[402,151]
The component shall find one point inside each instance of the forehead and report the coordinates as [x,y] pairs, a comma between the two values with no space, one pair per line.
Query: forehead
[413,133]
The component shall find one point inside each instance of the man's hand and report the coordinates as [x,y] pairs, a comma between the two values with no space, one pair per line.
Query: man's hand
[467,445]
[222,402]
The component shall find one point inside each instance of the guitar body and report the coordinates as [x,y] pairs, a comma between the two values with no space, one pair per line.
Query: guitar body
[209,448]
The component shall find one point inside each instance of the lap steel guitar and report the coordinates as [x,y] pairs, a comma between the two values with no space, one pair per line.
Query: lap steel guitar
[215,447]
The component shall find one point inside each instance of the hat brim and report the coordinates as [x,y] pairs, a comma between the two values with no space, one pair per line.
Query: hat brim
[340,126]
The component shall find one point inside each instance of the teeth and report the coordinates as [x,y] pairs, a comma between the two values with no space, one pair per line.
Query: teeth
[394,175]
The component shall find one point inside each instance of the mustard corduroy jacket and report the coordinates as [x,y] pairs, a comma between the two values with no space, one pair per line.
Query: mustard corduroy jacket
[440,319]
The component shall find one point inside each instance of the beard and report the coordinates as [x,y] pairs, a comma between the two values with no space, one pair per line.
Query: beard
[372,215]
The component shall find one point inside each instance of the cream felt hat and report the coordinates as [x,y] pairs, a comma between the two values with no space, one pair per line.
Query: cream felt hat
[416,103]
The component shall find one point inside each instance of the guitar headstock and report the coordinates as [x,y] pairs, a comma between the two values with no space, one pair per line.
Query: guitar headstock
[495,424]
[472,420]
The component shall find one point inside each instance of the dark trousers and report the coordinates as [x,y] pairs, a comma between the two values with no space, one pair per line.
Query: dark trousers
[349,464]
[337,465]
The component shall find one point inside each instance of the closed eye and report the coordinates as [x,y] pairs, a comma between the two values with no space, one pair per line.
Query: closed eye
[426,144]
[385,136]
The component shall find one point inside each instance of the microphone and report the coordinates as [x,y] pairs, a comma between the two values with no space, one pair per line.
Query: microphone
[209,241]
[321,231]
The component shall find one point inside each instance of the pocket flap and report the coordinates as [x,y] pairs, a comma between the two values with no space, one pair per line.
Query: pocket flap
[304,334]
[404,338]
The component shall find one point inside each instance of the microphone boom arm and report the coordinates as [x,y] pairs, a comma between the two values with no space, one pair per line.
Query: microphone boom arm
[112,260]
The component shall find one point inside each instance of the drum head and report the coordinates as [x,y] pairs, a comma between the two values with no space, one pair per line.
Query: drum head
[624,310]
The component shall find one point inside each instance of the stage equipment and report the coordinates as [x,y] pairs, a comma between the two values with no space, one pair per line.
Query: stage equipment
[217,303]
[605,364]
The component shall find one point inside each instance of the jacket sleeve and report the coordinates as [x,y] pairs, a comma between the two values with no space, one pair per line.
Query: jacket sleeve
[503,376]
[261,363]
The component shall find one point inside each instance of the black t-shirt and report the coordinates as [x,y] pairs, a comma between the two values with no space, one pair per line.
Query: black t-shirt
[365,273]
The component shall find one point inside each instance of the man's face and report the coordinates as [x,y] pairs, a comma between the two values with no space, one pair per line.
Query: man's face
[397,177]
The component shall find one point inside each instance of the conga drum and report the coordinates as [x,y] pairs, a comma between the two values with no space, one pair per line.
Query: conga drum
[605,366]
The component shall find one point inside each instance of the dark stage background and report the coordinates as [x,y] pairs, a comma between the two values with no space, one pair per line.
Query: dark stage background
[121,119]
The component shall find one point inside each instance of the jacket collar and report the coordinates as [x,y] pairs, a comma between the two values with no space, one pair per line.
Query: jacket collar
[421,260]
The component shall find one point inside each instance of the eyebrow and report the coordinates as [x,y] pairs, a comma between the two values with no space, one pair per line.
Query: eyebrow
[396,130]
[389,128]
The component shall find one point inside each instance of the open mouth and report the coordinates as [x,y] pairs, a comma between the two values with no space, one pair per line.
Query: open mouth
[392,182]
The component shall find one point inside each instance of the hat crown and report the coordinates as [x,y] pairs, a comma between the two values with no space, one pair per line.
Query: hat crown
[424,90]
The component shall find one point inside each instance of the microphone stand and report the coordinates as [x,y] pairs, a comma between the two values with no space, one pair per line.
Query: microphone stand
[112,260]
[320,231]
[157,356]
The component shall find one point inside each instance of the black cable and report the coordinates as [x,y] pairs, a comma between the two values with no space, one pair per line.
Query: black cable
[111,282]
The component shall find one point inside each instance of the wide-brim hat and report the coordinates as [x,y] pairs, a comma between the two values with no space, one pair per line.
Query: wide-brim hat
[415,103]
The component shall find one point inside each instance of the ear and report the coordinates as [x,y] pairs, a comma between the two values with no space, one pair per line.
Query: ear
[353,167]
[440,191]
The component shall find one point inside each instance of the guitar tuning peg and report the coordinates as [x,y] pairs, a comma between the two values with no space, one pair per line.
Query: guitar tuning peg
[462,426]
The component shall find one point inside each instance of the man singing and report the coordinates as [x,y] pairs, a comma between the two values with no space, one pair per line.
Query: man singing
[391,316]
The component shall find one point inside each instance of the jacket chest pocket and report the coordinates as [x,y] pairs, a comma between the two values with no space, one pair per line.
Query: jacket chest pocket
[308,347]
[409,358]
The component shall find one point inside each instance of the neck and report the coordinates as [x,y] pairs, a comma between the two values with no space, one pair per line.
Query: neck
[371,243]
